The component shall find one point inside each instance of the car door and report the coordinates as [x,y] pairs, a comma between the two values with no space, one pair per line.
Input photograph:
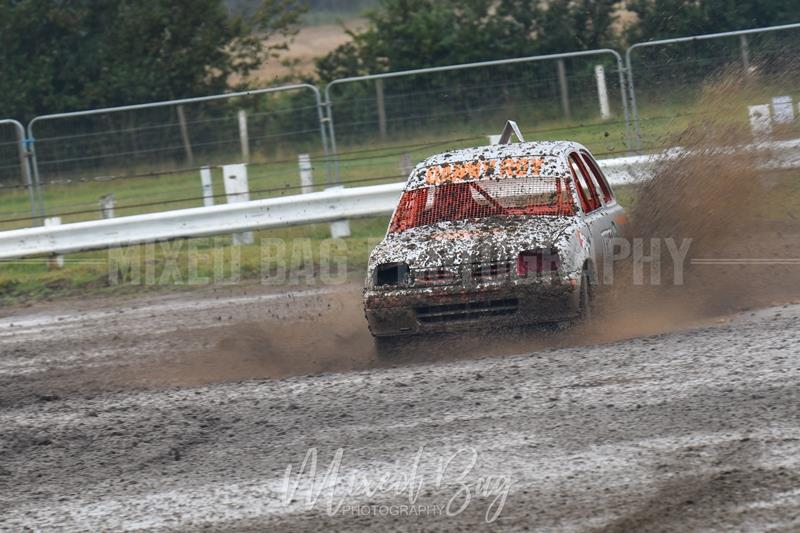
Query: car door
[612,211]
[595,210]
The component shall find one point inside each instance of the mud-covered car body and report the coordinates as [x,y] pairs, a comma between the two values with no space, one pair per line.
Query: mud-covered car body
[501,234]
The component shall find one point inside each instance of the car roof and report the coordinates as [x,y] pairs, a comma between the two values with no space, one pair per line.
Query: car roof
[554,152]
[536,148]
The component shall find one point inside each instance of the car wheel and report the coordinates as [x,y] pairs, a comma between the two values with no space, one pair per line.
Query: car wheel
[585,306]
[388,347]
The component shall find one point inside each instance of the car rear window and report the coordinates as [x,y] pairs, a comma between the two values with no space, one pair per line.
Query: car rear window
[483,198]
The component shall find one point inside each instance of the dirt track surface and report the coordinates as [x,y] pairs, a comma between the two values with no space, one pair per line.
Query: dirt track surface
[141,415]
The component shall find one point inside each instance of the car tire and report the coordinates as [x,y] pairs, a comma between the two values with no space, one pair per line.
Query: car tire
[388,347]
[586,298]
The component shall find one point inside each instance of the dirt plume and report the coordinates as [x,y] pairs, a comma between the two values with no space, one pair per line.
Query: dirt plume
[327,334]
[739,215]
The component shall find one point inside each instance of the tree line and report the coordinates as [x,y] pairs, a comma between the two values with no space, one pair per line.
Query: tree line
[58,56]
[405,34]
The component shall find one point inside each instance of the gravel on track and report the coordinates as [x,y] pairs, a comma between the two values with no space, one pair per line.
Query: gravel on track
[157,425]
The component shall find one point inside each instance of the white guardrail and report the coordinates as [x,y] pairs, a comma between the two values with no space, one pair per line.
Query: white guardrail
[325,206]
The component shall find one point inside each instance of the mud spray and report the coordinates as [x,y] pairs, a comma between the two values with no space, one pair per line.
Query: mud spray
[721,198]
[740,215]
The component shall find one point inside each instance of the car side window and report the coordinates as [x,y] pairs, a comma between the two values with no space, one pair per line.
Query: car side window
[598,177]
[586,190]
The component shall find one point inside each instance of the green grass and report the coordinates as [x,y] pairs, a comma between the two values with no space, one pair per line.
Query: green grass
[198,262]
[371,162]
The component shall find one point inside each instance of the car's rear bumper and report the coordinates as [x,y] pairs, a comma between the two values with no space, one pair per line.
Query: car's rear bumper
[445,309]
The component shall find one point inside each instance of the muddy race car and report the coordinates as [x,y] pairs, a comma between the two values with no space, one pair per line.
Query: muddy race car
[500,235]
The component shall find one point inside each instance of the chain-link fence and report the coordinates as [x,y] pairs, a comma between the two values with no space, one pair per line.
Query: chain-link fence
[379,126]
[382,124]
[15,178]
[149,155]
[10,171]
[669,79]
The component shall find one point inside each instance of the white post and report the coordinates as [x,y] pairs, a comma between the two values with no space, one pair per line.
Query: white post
[187,143]
[339,228]
[243,136]
[760,121]
[381,108]
[494,139]
[564,88]
[56,261]
[306,174]
[602,91]
[107,205]
[406,165]
[783,110]
[208,186]
[237,190]
[745,50]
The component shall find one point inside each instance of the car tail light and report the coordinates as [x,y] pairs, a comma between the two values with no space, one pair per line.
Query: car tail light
[391,274]
[537,262]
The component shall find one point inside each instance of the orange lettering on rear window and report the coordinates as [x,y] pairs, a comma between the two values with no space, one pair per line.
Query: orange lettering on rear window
[490,168]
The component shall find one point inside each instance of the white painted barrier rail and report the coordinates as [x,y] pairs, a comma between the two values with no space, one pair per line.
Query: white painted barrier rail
[310,208]
[316,207]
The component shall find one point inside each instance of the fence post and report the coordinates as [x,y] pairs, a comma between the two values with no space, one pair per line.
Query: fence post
[237,190]
[381,107]
[339,228]
[745,49]
[637,132]
[323,132]
[782,109]
[37,182]
[563,87]
[602,91]
[207,186]
[107,205]
[55,261]
[406,165]
[760,121]
[24,163]
[187,145]
[244,138]
[335,176]
[306,174]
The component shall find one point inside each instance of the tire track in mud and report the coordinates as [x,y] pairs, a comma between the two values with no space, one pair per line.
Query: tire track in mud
[677,431]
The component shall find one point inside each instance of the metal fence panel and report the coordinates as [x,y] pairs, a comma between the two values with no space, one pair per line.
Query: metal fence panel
[10,174]
[149,155]
[381,124]
[665,77]
[15,176]
[378,126]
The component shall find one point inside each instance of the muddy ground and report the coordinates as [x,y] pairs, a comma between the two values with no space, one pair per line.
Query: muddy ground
[183,412]
[677,409]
